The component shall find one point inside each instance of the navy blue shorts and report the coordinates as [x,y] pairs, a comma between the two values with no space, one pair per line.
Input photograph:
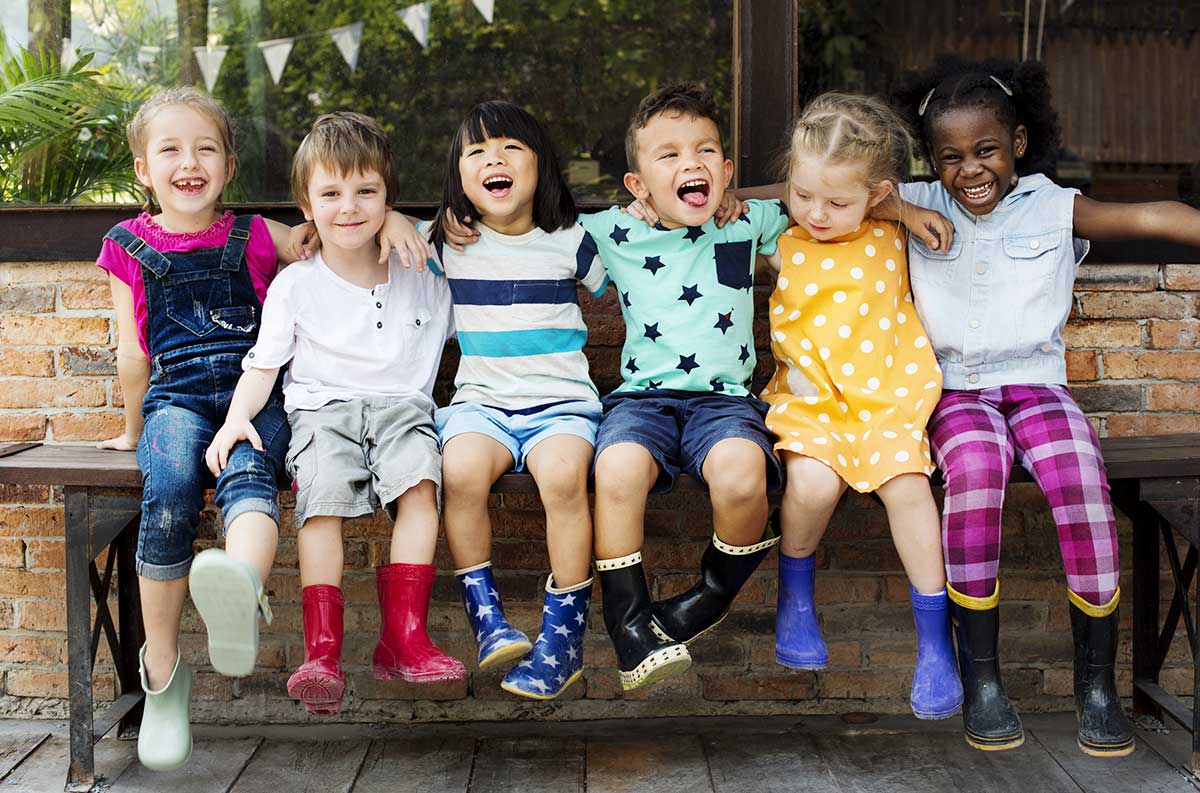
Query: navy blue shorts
[679,428]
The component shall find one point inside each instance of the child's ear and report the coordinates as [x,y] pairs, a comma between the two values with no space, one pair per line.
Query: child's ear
[230,168]
[635,185]
[728,170]
[1020,140]
[141,172]
[881,191]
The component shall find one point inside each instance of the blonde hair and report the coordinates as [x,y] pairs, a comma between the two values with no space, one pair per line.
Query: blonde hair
[138,130]
[348,143]
[852,129]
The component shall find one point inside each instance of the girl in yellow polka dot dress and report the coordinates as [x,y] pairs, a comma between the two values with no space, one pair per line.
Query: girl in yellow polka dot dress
[855,380]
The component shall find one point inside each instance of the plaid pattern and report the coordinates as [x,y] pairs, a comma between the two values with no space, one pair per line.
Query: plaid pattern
[975,435]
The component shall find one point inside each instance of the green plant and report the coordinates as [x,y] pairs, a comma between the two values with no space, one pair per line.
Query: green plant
[62,132]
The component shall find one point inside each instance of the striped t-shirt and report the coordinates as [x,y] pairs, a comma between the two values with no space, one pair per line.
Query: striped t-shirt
[516,307]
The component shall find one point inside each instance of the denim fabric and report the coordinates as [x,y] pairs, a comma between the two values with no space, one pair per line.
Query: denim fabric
[520,432]
[679,428]
[202,318]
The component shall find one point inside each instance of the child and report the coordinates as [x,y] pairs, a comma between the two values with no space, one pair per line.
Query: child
[994,304]
[524,397]
[855,380]
[364,339]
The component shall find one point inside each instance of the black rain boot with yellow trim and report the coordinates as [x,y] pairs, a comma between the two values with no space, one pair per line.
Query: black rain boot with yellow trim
[642,657]
[1104,729]
[724,569]
[990,723]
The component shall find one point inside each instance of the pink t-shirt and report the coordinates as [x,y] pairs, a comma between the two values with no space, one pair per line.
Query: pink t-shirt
[260,256]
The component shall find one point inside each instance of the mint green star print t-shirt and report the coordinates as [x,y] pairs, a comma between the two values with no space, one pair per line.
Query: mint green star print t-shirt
[687,296]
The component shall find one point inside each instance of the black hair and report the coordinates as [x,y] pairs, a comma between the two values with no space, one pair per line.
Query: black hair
[953,82]
[553,206]
[687,98]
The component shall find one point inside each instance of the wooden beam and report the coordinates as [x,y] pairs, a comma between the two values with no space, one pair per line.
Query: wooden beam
[765,69]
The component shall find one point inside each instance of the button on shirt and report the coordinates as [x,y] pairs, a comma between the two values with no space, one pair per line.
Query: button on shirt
[994,305]
[350,342]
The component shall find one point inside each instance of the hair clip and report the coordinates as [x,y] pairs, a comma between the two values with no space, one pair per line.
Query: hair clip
[925,102]
[1001,83]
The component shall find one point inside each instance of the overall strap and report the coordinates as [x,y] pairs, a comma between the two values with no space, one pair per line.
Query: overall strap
[139,249]
[235,246]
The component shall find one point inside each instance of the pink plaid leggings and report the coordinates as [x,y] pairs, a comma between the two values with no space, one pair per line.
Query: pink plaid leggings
[975,435]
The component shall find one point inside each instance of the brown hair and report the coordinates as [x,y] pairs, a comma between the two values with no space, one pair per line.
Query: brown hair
[851,128]
[689,98]
[138,129]
[349,143]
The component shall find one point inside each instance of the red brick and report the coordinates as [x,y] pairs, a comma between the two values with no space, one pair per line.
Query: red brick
[757,685]
[1082,366]
[1183,277]
[89,295]
[86,426]
[52,272]
[53,683]
[1153,365]
[86,361]
[16,649]
[1173,396]
[866,684]
[26,363]
[1117,278]
[846,589]
[54,330]
[24,494]
[1107,334]
[1099,305]
[1168,334]
[1124,424]
[45,554]
[16,427]
[19,583]
[35,299]
[42,615]
[12,553]
[59,393]
[31,521]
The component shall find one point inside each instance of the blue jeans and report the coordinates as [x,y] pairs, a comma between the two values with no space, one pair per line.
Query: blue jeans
[184,407]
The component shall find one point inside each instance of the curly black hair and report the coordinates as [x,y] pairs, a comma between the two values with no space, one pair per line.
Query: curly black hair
[957,83]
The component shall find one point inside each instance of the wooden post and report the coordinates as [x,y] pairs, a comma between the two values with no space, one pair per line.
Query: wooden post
[193,32]
[764,78]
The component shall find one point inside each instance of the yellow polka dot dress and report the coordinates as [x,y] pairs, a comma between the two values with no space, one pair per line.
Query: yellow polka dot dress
[855,378]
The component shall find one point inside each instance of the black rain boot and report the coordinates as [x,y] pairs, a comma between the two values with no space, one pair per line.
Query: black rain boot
[1104,729]
[990,723]
[724,568]
[642,657]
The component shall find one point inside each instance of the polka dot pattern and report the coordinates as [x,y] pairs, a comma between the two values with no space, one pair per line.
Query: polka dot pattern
[869,374]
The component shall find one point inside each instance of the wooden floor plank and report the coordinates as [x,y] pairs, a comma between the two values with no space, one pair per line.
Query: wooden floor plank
[666,764]
[786,762]
[1141,771]
[872,762]
[303,767]
[425,765]
[214,766]
[1026,769]
[528,765]
[17,747]
[45,771]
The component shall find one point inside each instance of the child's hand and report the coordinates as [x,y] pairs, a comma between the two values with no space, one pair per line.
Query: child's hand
[642,211]
[930,226]
[400,235]
[459,232]
[303,241]
[232,431]
[121,443]
[730,209]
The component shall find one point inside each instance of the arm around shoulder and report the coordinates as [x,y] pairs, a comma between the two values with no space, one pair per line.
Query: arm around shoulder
[1163,220]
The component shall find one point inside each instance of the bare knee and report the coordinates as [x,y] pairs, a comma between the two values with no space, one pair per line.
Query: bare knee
[564,485]
[906,493]
[624,472]
[736,473]
[811,485]
[465,478]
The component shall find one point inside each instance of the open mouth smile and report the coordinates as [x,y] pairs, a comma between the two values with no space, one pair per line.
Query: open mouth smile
[693,192]
[979,194]
[498,186]
[191,186]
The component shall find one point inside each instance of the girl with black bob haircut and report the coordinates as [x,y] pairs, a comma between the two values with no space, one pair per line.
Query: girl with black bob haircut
[994,302]
[553,205]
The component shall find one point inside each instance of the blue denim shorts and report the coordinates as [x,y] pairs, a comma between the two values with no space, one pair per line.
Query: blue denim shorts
[679,428]
[520,432]
[184,408]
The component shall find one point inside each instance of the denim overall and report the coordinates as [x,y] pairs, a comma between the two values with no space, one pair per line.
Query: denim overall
[202,319]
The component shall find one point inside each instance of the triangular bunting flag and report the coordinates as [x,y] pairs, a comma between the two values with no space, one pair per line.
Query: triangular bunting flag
[416,19]
[147,55]
[487,8]
[210,59]
[347,38]
[276,52]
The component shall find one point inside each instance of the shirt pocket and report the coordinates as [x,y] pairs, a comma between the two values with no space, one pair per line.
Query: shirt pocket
[240,319]
[191,296]
[1028,289]
[926,265]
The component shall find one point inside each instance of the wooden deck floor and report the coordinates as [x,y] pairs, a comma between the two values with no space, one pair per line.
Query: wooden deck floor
[721,755]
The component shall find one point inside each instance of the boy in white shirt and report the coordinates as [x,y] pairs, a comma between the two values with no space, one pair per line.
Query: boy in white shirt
[364,339]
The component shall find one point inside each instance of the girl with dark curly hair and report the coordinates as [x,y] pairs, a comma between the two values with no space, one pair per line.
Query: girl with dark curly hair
[994,303]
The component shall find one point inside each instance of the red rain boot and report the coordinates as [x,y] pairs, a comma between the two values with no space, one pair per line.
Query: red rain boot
[319,682]
[405,651]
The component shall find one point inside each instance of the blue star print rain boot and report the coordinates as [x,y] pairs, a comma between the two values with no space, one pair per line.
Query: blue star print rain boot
[798,640]
[936,688]
[556,660]
[499,643]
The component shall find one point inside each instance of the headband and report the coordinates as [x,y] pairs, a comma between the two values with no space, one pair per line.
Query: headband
[925,102]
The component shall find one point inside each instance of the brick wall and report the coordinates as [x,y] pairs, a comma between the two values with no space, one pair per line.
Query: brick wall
[1134,363]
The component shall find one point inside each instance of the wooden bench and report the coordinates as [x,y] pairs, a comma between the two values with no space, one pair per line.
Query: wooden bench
[1155,483]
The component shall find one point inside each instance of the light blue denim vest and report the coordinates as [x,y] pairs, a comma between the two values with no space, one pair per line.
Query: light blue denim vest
[994,304]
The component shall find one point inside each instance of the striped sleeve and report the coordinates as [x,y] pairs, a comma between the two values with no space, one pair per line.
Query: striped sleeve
[589,270]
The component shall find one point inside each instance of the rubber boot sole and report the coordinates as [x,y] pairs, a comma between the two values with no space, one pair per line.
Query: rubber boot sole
[1106,750]
[794,662]
[392,673]
[938,716]
[228,604]
[994,744]
[321,694]
[506,654]
[662,634]
[530,695]
[659,665]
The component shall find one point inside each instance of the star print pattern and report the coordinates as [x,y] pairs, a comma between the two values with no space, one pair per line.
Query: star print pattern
[485,613]
[557,657]
[686,296]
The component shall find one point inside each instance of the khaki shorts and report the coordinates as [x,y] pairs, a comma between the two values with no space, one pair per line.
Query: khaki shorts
[348,458]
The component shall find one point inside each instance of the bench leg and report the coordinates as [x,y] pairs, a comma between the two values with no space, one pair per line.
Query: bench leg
[81,775]
[129,613]
[1145,602]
